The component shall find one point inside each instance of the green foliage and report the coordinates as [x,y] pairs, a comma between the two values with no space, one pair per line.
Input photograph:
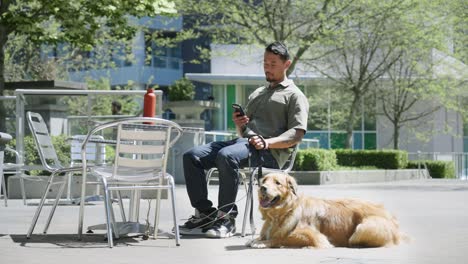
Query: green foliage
[383,159]
[437,169]
[374,36]
[100,104]
[77,22]
[297,23]
[315,160]
[181,90]
[81,24]
[61,145]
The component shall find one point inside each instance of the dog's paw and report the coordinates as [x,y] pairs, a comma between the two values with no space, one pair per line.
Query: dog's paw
[249,243]
[258,244]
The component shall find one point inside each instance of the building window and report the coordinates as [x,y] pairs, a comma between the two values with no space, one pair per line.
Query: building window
[120,55]
[161,56]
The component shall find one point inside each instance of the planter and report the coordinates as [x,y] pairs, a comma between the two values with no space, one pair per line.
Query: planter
[187,113]
[356,176]
[190,109]
[35,185]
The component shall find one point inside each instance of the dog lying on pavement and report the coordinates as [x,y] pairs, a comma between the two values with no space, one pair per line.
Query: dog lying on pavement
[296,221]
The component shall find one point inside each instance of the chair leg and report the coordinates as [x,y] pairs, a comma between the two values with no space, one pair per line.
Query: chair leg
[122,210]
[69,177]
[23,191]
[3,184]
[39,207]
[57,199]
[82,204]
[208,175]
[2,177]
[107,205]
[246,212]
[156,214]
[244,180]
[174,215]
[248,203]
[114,226]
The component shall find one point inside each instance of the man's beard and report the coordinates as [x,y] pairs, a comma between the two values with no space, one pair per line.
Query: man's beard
[269,79]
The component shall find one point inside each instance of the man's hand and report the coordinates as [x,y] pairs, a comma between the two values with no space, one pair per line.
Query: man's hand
[258,142]
[239,120]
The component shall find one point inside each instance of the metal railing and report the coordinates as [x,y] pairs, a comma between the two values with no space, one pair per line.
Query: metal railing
[460,160]
[25,100]
[211,136]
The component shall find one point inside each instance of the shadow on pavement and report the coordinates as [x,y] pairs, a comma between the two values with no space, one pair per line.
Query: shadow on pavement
[71,240]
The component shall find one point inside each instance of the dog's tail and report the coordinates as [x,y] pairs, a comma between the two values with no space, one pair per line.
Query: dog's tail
[405,238]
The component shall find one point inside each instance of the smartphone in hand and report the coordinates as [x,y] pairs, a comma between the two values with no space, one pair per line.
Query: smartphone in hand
[238,109]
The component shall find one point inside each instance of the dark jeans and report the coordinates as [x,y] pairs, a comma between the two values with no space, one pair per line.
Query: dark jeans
[228,157]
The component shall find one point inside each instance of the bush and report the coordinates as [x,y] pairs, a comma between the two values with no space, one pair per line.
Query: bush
[181,90]
[315,160]
[62,146]
[437,169]
[383,159]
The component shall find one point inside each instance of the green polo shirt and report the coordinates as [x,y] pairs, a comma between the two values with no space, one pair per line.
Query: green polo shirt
[274,110]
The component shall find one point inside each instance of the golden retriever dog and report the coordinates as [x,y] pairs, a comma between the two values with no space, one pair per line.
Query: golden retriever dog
[296,221]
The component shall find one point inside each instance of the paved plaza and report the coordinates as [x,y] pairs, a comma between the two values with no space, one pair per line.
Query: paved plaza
[434,213]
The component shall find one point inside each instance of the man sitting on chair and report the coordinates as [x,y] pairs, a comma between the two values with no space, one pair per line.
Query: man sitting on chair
[275,119]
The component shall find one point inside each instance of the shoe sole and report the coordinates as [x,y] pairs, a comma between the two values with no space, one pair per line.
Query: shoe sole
[191,232]
[217,234]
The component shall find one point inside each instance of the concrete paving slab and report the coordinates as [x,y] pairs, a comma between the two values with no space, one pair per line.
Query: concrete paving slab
[434,213]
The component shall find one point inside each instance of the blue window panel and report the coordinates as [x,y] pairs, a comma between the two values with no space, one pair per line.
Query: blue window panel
[357,140]
[321,136]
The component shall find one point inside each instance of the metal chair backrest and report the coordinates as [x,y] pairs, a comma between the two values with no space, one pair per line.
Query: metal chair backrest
[141,149]
[41,135]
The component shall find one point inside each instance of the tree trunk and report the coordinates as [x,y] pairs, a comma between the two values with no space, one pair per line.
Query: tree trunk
[396,136]
[350,122]
[3,41]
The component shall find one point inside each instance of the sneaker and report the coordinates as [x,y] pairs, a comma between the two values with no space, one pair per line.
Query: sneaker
[197,223]
[223,227]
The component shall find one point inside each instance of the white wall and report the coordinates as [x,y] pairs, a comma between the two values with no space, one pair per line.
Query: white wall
[237,59]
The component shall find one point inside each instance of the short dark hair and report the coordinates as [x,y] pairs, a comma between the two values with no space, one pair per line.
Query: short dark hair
[280,49]
[117,104]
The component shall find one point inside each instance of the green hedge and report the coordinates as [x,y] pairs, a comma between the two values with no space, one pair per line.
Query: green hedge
[315,160]
[437,169]
[62,146]
[383,159]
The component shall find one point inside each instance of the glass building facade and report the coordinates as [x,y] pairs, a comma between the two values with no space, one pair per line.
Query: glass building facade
[326,116]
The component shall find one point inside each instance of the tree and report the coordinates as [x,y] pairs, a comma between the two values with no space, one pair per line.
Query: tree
[74,22]
[377,35]
[297,23]
[411,82]
[454,12]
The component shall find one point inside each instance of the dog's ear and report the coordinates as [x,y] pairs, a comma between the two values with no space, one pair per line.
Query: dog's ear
[292,184]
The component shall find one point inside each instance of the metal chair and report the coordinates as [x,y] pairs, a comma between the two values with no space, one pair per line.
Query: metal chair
[249,181]
[50,162]
[142,146]
[4,139]
[11,168]
[95,153]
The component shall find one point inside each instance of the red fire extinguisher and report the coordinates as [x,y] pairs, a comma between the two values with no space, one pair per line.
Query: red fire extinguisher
[149,104]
